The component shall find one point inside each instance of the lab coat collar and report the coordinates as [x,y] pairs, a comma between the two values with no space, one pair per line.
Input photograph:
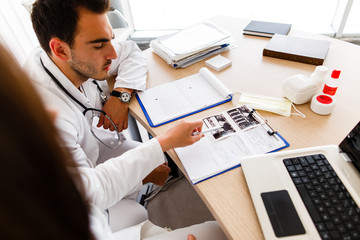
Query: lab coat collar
[67,84]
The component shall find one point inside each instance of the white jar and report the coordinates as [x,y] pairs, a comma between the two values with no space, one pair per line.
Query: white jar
[318,76]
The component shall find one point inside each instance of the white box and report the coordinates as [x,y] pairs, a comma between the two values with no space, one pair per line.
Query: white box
[218,63]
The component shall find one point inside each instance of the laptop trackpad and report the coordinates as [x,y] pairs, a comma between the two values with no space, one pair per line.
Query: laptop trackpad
[282,213]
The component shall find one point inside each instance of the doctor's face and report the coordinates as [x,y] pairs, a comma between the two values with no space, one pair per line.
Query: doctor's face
[92,51]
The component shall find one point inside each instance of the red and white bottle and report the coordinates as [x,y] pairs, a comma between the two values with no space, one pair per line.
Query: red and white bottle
[332,83]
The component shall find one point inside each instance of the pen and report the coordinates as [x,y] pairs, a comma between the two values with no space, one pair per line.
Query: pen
[270,130]
[207,130]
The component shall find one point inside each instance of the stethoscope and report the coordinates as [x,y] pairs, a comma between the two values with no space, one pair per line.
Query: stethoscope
[102,96]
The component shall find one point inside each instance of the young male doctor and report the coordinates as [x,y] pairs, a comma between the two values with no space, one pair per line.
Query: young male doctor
[78,53]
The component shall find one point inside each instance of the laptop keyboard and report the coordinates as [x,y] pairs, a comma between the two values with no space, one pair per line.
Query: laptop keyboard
[331,207]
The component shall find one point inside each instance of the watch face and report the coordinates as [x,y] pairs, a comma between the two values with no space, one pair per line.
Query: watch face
[125,97]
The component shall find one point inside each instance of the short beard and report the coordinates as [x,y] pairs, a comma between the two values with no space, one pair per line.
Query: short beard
[84,70]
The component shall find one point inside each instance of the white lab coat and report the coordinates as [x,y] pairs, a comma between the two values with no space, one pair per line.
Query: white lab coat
[109,182]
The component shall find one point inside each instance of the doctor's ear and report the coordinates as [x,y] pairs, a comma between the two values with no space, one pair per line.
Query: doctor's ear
[60,49]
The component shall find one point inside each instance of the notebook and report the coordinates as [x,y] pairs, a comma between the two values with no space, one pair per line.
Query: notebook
[183,97]
[266,29]
[309,193]
[297,49]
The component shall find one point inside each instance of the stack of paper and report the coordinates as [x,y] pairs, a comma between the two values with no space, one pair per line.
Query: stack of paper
[192,44]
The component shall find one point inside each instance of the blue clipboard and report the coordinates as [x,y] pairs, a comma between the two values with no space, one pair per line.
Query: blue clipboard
[238,165]
[174,119]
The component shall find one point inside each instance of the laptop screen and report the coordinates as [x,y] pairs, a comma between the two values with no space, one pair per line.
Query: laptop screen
[351,146]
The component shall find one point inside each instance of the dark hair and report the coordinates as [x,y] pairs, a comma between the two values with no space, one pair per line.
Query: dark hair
[38,196]
[58,18]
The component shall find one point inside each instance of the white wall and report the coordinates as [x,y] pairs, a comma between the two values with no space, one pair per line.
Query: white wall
[16,31]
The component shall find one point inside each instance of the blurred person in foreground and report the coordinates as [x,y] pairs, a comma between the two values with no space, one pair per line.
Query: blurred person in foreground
[43,193]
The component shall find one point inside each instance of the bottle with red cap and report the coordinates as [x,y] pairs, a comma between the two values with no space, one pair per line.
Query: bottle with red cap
[332,83]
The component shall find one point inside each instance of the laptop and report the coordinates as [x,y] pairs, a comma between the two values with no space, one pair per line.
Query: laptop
[309,193]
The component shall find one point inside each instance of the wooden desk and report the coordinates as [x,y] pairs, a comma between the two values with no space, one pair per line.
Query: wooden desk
[227,195]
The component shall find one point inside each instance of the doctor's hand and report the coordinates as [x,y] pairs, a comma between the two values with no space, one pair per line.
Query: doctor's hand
[158,176]
[118,113]
[181,135]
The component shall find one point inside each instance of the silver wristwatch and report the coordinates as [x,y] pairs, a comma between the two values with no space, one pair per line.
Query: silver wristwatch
[124,97]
